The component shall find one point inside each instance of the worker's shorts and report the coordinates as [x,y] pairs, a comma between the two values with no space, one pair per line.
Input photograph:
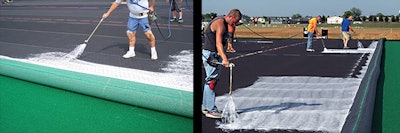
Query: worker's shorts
[134,23]
[175,6]
[345,36]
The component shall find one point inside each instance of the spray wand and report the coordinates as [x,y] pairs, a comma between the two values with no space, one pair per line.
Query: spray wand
[231,65]
[229,114]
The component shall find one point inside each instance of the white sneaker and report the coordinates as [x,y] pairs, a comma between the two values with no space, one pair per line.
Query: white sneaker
[216,115]
[129,54]
[204,111]
[310,50]
[173,19]
[154,55]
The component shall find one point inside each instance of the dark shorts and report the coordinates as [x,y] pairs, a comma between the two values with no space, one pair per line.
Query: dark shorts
[175,6]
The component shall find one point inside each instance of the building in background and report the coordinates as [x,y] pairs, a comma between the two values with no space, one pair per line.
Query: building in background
[334,20]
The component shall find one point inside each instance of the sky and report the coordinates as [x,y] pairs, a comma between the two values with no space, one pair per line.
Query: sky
[303,7]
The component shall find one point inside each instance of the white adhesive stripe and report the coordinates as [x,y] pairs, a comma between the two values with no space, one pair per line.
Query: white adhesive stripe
[348,51]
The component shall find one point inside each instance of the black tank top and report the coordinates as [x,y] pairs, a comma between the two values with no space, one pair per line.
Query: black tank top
[210,38]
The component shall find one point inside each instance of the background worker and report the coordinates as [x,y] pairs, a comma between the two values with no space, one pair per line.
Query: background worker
[213,49]
[311,29]
[260,19]
[345,31]
[175,9]
[255,21]
[263,20]
[138,16]
[231,35]
[231,32]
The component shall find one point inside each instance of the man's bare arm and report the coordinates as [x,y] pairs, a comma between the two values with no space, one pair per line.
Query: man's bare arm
[112,8]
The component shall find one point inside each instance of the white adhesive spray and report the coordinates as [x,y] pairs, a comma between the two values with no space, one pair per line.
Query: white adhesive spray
[229,114]
[77,52]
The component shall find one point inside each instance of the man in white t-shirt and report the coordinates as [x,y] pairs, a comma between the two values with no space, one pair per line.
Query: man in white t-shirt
[138,17]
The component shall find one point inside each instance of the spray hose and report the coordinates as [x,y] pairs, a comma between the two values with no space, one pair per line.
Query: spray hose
[255,32]
[154,18]
[188,7]
[169,24]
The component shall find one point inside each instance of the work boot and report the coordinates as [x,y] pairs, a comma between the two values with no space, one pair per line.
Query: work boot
[129,54]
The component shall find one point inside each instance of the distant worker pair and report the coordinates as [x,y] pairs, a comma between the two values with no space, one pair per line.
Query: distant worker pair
[312,28]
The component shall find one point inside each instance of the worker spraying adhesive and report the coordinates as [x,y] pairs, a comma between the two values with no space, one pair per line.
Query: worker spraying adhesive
[213,51]
[229,114]
[141,13]
[138,17]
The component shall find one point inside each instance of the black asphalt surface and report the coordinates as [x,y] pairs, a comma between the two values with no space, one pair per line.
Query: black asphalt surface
[284,57]
[38,26]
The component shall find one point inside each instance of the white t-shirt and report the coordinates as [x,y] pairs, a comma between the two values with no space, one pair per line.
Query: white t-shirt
[134,9]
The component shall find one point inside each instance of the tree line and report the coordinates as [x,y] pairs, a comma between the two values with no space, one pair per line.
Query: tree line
[355,12]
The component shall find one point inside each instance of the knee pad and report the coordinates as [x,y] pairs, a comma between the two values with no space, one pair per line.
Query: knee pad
[212,83]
